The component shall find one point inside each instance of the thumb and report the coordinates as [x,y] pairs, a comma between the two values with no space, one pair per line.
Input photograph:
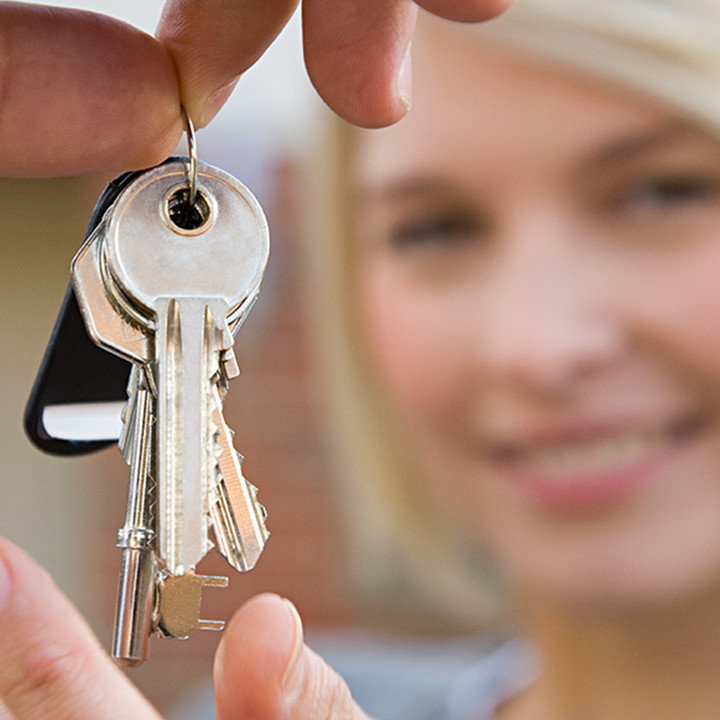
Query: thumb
[264,671]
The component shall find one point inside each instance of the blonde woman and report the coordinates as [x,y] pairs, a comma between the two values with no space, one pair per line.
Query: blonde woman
[523,306]
[527,285]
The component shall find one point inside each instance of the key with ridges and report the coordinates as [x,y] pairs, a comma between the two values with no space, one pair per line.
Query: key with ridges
[166,296]
[182,284]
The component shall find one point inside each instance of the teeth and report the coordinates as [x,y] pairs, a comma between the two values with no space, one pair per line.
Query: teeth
[565,462]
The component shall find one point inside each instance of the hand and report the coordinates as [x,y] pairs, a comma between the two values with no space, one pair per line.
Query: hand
[52,667]
[82,92]
[354,49]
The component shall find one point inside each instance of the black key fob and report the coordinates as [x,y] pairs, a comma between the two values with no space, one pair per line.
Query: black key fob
[80,388]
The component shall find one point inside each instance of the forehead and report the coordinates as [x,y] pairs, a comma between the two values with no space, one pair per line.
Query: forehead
[479,105]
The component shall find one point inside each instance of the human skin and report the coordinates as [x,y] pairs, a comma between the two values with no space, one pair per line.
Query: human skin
[82,92]
[537,278]
[51,665]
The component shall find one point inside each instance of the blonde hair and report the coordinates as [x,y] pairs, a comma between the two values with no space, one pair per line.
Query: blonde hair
[403,553]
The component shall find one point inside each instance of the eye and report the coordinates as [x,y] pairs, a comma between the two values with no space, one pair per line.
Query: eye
[434,228]
[670,192]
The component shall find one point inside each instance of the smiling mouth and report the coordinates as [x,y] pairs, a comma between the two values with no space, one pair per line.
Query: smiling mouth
[593,461]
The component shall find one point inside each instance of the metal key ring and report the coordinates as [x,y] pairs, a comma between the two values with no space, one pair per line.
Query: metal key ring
[192,153]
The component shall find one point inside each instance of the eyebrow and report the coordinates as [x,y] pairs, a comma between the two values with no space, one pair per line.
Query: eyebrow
[629,147]
[625,148]
[406,187]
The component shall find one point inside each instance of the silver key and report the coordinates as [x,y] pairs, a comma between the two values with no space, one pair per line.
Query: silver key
[184,285]
[138,570]
[166,297]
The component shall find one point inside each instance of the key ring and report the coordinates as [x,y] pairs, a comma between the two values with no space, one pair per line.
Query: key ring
[192,153]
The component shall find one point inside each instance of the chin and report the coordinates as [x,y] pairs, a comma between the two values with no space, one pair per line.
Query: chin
[613,595]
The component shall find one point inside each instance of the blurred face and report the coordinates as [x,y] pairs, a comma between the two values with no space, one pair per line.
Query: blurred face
[539,289]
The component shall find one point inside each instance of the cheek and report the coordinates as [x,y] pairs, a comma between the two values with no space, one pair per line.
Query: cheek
[415,344]
[421,349]
[697,318]
[679,305]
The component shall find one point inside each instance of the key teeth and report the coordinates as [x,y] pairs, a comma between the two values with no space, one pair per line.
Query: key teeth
[238,519]
[126,434]
[254,492]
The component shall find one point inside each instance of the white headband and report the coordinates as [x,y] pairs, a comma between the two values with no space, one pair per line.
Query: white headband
[669,49]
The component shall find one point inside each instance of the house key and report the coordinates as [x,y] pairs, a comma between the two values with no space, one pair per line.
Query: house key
[165,283]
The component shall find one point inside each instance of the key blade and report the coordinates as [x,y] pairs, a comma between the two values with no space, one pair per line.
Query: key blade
[134,610]
[136,587]
[238,518]
[129,416]
[185,454]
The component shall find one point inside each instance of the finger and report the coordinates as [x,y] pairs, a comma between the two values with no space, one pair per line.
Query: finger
[4,712]
[263,670]
[51,665]
[465,10]
[213,41]
[357,53]
[354,52]
[81,92]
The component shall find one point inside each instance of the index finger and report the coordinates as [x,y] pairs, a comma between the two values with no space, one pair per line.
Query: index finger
[82,92]
[465,10]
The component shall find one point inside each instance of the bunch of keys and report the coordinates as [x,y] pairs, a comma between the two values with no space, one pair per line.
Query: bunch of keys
[170,268]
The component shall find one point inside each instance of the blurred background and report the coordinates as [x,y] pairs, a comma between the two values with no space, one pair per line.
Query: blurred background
[66,511]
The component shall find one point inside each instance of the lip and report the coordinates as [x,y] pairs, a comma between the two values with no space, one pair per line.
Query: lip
[581,467]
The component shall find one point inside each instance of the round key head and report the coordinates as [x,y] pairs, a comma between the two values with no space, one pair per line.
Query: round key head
[157,245]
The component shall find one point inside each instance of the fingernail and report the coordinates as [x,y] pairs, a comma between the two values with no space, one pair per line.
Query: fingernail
[215,102]
[297,644]
[4,582]
[404,79]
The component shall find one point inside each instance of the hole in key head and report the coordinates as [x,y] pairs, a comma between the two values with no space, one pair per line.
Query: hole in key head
[185,215]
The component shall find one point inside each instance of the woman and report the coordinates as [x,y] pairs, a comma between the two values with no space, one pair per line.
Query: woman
[531,280]
[533,287]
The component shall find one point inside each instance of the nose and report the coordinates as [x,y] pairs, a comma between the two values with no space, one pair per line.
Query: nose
[549,319]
